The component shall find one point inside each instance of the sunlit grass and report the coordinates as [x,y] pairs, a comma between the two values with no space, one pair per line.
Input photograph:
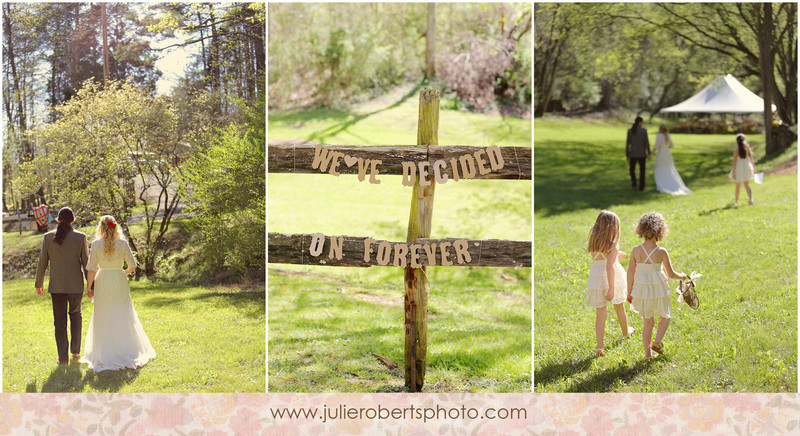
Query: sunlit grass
[206,340]
[324,322]
[743,338]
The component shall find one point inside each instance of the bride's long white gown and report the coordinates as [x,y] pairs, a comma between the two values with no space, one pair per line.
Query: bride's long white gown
[667,178]
[116,339]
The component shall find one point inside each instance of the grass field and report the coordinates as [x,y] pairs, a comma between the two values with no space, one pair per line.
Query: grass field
[207,338]
[743,337]
[325,322]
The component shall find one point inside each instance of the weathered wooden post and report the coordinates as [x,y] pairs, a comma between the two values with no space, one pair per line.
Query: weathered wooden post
[419,226]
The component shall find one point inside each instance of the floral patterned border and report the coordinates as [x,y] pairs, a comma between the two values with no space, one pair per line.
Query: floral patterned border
[253,414]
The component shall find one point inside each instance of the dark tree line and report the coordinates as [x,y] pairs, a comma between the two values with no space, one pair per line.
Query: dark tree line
[64,40]
[105,142]
[605,56]
[232,45]
[335,54]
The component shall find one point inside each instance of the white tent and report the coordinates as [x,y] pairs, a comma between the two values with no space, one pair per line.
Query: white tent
[723,95]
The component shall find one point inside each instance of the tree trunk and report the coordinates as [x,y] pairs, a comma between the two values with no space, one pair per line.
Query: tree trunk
[150,264]
[213,62]
[550,79]
[104,21]
[785,51]
[26,153]
[663,98]
[258,38]
[430,39]
[767,73]
[6,187]
[203,56]
[551,43]
[606,96]
[214,51]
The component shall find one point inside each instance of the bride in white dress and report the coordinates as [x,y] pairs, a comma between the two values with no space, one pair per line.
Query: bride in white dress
[116,339]
[667,178]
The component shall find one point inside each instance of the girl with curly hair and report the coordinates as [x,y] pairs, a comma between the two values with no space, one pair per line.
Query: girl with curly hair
[606,284]
[648,286]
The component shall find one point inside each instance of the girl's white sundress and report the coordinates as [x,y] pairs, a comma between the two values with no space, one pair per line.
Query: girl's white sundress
[744,170]
[116,339]
[597,285]
[651,294]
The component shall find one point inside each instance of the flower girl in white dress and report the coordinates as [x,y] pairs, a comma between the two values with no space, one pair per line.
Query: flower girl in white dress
[607,284]
[648,286]
[743,170]
[116,339]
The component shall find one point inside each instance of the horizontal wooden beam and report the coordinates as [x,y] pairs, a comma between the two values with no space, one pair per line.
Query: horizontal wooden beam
[295,249]
[293,157]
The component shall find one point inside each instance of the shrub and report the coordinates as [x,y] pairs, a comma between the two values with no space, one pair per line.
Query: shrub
[227,189]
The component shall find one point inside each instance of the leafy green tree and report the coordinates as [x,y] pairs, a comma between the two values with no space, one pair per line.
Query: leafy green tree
[334,54]
[227,189]
[73,47]
[606,56]
[754,34]
[50,49]
[232,47]
[648,56]
[22,41]
[107,148]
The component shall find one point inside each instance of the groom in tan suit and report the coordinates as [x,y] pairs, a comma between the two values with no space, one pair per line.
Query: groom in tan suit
[66,251]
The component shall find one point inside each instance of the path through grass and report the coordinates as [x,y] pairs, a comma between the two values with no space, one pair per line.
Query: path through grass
[743,338]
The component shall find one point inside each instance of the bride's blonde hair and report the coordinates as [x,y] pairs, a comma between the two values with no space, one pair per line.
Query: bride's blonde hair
[108,230]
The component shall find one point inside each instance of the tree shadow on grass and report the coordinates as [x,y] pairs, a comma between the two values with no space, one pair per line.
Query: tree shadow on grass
[346,119]
[339,347]
[572,175]
[249,303]
[779,156]
[72,378]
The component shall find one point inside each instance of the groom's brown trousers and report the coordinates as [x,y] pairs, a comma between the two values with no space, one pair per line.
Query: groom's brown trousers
[67,305]
[641,161]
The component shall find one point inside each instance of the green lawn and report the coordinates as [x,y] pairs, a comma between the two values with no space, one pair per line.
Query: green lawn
[206,340]
[324,322]
[743,337]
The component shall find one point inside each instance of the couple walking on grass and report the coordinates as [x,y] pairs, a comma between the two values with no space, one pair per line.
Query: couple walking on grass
[637,151]
[645,286]
[116,339]
[668,181]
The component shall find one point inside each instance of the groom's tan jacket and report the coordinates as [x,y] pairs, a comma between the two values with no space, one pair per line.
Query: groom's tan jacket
[67,263]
